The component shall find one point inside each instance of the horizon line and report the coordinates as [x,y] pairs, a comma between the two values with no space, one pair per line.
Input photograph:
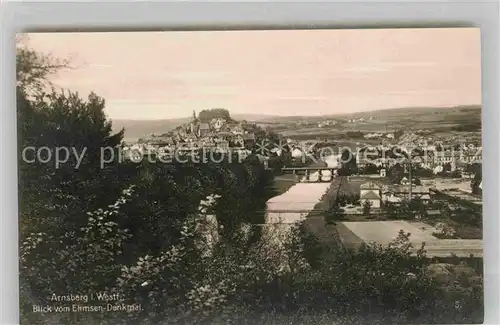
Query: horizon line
[299,115]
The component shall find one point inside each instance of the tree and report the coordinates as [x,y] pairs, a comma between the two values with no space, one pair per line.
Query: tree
[334,213]
[392,210]
[369,169]
[418,208]
[395,174]
[34,68]
[208,114]
[348,163]
[398,133]
[447,168]
[478,178]
[367,205]
[418,171]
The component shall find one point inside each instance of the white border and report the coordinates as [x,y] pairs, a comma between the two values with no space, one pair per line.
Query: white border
[203,15]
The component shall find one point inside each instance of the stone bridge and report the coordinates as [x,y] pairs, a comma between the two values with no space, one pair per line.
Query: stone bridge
[313,174]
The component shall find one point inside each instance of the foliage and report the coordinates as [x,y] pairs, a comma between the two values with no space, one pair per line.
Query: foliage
[395,174]
[335,213]
[33,69]
[468,126]
[367,205]
[344,199]
[478,177]
[369,169]
[444,231]
[355,134]
[392,210]
[349,164]
[208,114]
[418,171]
[416,209]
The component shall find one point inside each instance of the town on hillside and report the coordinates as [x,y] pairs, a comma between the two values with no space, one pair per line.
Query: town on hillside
[417,176]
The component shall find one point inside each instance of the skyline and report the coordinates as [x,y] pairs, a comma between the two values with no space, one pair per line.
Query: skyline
[278,72]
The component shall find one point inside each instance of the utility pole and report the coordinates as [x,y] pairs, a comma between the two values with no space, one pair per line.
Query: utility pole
[411,182]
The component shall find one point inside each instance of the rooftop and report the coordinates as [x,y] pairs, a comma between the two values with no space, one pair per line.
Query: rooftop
[369,185]
[460,194]
[406,189]
[370,195]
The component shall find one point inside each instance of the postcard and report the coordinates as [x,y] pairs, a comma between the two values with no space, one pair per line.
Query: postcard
[250,177]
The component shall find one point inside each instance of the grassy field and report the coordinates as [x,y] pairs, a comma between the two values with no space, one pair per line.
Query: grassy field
[441,122]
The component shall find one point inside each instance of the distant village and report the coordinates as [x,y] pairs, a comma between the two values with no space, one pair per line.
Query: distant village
[221,134]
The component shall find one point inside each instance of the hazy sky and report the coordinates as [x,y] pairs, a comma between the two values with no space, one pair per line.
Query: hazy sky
[145,75]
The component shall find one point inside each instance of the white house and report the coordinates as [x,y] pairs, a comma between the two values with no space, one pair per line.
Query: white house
[277,151]
[370,192]
[296,153]
[405,181]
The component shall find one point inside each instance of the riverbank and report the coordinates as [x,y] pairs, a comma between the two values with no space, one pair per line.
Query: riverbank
[283,183]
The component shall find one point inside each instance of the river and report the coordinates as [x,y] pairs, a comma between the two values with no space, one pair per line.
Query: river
[300,199]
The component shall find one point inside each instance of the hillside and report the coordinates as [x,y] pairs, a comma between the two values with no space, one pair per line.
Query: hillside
[410,117]
[135,129]
[418,113]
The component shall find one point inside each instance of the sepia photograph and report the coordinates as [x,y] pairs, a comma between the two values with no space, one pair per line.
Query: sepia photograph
[307,176]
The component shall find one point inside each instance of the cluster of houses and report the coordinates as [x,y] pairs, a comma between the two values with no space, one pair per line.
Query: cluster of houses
[424,157]
[326,123]
[431,144]
[355,120]
[376,194]
[218,134]
[376,135]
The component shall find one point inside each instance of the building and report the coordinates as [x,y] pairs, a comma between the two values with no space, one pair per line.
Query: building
[239,141]
[203,130]
[223,145]
[237,129]
[218,123]
[403,192]
[390,197]
[248,139]
[370,192]
[297,153]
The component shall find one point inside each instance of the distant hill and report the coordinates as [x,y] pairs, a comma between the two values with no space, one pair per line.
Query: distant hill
[389,114]
[254,117]
[135,129]
[418,111]
[427,117]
